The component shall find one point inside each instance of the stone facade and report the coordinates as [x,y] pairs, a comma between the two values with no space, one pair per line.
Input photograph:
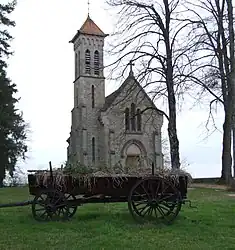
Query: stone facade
[104,130]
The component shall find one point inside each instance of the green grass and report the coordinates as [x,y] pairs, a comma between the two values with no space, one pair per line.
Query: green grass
[110,226]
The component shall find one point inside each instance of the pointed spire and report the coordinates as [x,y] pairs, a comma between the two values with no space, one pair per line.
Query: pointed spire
[89,28]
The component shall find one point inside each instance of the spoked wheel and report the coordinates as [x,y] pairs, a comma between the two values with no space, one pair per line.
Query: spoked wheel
[154,199]
[72,208]
[50,205]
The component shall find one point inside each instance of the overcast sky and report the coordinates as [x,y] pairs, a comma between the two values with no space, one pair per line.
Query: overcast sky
[43,69]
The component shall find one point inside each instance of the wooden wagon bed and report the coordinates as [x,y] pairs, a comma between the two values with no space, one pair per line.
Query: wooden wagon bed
[106,186]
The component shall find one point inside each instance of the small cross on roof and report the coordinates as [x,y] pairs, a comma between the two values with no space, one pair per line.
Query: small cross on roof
[131,64]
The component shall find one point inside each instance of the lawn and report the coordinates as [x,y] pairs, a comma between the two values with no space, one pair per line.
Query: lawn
[210,226]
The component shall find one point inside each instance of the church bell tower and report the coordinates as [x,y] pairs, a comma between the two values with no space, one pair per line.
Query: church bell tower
[89,94]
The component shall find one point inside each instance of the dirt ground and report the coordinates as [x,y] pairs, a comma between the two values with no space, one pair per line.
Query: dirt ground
[204,185]
[214,186]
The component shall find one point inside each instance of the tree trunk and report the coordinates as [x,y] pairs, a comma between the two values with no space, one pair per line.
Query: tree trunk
[2,164]
[172,131]
[226,151]
[233,142]
[1,182]
[231,76]
[174,145]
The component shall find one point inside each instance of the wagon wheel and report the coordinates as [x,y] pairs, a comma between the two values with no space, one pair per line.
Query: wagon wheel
[154,198]
[47,206]
[72,208]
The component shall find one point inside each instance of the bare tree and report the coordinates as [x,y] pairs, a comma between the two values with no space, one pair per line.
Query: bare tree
[212,50]
[149,34]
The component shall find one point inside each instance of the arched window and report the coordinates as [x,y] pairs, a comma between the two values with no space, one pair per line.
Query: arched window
[138,120]
[127,119]
[76,65]
[92,96]
[93,149]
[133,118]
[96,63]
[87,62]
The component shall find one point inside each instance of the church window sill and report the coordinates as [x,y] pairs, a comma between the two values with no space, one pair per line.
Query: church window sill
[134,132]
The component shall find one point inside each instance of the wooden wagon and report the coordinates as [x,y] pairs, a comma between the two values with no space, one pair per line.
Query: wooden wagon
[149,198]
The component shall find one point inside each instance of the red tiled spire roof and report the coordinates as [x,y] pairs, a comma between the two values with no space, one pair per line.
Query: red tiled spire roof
[89,28]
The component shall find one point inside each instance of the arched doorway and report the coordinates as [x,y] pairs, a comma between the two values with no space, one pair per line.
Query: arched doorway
[133,153]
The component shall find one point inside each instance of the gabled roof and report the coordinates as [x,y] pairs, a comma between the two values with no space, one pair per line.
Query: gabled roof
[89,28]
[111,98]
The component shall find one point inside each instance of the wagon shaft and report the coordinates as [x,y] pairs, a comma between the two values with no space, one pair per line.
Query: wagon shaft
[16,204]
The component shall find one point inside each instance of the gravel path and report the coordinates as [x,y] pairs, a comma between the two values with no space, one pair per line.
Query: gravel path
[204,185]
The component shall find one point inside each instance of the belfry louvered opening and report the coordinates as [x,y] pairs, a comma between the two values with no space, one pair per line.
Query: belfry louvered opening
[96,63]
[87,62]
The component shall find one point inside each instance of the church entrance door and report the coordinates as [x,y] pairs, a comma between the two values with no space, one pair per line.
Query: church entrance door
[132,161]
[133,155]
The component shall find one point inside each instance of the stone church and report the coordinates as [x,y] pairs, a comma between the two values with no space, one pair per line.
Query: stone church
[109,130]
